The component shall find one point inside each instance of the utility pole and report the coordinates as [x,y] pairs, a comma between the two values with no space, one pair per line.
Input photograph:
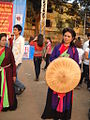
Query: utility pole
[43,17]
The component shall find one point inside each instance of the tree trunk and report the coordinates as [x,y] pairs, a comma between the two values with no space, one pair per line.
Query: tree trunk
[37,24]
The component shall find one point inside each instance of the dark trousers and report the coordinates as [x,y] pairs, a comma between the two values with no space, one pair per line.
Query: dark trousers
[81,80]
[86,74]
[18,83]
[37,64]
[47,60]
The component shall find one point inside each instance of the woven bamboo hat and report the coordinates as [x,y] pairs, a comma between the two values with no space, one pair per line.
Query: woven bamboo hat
[63,74]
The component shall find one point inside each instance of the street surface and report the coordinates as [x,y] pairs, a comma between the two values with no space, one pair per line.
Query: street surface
[31,103]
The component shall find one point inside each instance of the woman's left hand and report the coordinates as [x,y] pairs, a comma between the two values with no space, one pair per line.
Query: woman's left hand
[45,55]
[14,79]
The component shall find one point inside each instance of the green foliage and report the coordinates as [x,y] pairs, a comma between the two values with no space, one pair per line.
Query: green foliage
[85,3]
[67,23]
[71,23]
[33,10]
[75,10]
[36,5]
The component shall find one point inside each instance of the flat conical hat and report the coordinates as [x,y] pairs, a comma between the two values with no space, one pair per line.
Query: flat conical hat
[63,74]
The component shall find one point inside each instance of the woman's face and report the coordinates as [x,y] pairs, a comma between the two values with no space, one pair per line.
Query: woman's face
[3,41]
[67,38]
[47,40]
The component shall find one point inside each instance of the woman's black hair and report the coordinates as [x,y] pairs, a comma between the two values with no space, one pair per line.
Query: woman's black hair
[31,38]
[40,40]
[72,33]
[88,34]
[79,38]
[89,44]
[49,39]
[78,43]
[2,35]
[19,27]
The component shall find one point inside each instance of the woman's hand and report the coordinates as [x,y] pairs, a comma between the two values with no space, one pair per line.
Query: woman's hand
[45,55]
[14,79]
[35,38]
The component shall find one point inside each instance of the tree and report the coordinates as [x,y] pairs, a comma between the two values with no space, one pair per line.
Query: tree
[78,9]
[35,7]
[84,3]
[74,10]
[33,12]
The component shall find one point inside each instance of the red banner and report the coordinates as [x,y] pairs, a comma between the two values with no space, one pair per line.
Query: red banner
[6,17]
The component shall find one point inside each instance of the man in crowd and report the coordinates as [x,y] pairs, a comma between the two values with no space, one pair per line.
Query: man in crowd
[86,48]
[18,51]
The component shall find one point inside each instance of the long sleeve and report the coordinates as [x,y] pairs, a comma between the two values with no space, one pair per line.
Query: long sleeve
[55,53]
[76,56]
[18,49]
[12,60]
[21,52]
[32,43]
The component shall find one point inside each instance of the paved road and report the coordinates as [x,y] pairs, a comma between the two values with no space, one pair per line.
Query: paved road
[31,103]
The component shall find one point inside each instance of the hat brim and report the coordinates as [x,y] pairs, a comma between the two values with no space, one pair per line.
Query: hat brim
[63,74]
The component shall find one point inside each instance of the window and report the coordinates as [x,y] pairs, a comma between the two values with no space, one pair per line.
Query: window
[49,9]
[28,14]
[33,22]
[48,23]
[61,10]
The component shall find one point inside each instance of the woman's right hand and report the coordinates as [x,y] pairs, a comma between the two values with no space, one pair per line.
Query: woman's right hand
[35,38]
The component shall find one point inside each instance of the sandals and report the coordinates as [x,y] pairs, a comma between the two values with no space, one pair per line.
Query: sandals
[20,91]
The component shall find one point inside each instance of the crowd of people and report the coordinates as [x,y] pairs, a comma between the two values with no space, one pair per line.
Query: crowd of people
[11,61]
